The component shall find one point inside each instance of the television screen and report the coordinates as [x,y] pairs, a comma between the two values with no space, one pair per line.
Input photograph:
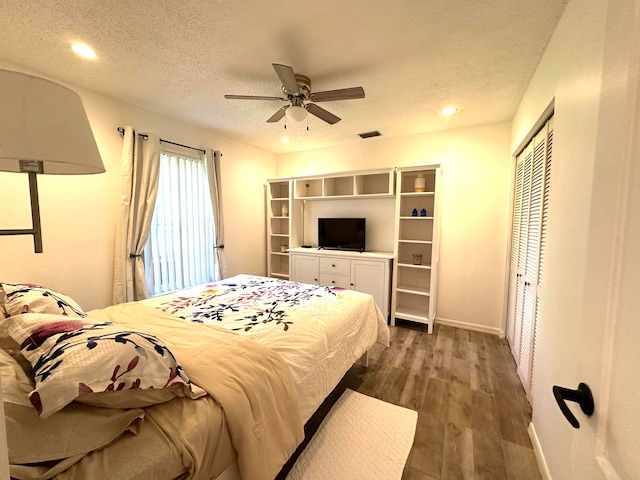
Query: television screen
[341,233]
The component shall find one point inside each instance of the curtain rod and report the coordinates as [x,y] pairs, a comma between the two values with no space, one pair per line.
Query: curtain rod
[146,137]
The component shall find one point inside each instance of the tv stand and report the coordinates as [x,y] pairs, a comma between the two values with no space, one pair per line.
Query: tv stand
[367,272]
[359,250]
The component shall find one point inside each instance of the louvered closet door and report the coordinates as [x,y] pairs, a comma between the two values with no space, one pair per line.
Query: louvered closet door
[527,249]
[514,273]
[532,257]
[522,252]
[543,244]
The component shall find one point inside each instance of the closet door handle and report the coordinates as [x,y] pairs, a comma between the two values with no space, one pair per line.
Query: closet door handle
[582,396]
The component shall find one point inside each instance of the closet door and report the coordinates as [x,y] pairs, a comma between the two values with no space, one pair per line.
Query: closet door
[515,274]
[527,249]
[521,252]
[543,243]
[532,259]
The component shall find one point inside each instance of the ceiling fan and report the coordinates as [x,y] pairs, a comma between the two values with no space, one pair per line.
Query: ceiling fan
[297,89]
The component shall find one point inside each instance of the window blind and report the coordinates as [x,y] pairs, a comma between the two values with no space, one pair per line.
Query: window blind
[180,251]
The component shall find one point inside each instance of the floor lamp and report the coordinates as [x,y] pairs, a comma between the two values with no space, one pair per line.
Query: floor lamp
[43,130]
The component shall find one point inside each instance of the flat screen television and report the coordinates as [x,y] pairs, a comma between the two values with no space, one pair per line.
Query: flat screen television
[342,233]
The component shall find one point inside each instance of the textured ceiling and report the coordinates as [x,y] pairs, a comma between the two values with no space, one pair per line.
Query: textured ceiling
[179,58]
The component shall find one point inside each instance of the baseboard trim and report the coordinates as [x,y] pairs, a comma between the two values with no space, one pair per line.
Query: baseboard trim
[537,449]
[470,326]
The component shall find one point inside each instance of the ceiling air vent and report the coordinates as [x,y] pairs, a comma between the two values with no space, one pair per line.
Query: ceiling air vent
[375,133]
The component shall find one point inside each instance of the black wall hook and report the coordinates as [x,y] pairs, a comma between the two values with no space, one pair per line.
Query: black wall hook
[582,396]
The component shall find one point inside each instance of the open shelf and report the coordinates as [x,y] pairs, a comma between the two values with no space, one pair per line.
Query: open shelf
[367,184]
[412,289]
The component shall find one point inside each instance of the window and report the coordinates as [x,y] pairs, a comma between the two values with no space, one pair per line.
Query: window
[180,250]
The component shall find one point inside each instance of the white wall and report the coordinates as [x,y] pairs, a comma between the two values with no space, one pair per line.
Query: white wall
[571,72]
[378,213]
[476,189]
[79,212]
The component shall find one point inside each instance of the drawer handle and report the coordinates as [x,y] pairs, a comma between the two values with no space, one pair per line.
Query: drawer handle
[333,265]
[333,281]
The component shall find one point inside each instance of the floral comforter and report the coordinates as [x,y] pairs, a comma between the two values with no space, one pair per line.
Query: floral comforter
[319,331]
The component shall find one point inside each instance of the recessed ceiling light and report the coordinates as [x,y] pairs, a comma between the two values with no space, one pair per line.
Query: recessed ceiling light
[449,110]
[83,50]
[285,139]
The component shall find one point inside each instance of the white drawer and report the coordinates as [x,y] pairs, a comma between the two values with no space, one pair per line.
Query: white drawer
[335,280]
[335,265]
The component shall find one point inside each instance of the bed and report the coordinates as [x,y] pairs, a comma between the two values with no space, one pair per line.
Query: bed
[242,365]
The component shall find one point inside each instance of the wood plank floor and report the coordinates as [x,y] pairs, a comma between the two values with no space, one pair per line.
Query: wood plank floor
[472,410]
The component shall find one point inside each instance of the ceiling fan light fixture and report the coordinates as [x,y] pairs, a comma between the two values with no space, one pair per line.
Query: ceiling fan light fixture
[296,113]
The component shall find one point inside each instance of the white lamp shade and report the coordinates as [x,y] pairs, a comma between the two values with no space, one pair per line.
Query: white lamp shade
[296,113]
[42,121]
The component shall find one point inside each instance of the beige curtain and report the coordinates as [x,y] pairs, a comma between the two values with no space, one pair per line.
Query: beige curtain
[138,191]
[212,163]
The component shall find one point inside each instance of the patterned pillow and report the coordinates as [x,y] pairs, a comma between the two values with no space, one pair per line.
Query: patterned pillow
[25,298]
[97,363]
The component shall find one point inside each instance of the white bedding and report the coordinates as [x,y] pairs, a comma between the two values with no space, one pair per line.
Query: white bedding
[319,331]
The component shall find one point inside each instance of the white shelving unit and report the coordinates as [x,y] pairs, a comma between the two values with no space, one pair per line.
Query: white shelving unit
[415,271]
[416,232]
[281,230]
[345,185]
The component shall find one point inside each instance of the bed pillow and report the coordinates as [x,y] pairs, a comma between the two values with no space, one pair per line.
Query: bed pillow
[99,364]
[26,298]
[75,430]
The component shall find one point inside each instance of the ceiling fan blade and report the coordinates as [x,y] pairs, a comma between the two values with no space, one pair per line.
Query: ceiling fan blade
[253,97]
[322,114]
[287,77]
[276,117]
[340,94]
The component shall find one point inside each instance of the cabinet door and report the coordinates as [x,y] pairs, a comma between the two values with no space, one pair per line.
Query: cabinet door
[370,276]
[304,269]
